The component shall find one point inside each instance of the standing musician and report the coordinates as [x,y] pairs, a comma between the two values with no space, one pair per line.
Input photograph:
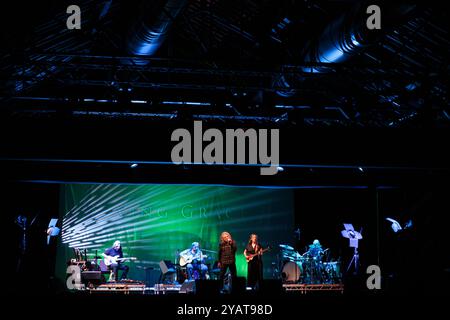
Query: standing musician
[193,256]
[227,255]
[114,256]
[253,254]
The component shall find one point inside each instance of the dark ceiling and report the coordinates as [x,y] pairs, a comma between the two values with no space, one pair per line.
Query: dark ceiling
[113,89]
[241,60]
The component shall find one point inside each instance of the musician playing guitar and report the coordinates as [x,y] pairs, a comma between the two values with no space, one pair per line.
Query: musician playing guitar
[192,258]
[113,258]
[253,253]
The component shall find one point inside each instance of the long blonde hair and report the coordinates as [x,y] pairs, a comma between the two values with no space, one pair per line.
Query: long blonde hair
[223,235]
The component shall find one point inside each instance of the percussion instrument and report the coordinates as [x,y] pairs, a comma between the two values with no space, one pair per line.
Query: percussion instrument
[286,247]
[291,272]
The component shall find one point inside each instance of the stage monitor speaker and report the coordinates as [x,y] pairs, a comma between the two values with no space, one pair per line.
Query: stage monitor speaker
[91,275]
[271,286]
[188,287]
[238,285]
[152,276]
[208,287]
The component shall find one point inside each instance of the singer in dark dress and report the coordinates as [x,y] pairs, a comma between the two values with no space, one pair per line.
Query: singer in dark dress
[255,265]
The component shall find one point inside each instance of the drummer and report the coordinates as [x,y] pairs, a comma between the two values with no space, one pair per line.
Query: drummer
[315,250]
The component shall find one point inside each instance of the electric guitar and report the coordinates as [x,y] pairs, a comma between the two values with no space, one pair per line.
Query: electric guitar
[251,256]
[109,260]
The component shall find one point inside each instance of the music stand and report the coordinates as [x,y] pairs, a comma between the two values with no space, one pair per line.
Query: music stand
[167,269]
[354,237]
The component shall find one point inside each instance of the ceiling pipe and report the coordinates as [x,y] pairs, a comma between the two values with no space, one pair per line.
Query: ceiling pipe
[149,32]
[343,38]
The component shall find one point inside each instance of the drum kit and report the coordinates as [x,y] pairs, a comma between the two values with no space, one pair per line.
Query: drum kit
[306,268]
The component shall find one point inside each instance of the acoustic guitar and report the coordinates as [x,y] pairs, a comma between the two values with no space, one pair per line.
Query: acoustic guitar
[184,260]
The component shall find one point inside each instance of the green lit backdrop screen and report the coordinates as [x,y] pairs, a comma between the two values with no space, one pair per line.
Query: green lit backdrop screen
[153,222]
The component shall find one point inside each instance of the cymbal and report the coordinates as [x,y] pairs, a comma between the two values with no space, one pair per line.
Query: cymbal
[286,247]
[293,255]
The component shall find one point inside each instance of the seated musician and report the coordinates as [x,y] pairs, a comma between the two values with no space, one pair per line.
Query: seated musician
[193,256]
[315,250]
[111,254]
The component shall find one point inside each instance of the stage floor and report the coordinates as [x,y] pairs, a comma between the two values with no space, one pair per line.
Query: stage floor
[189,288]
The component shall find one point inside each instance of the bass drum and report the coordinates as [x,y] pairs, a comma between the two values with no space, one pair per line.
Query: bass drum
[291,272]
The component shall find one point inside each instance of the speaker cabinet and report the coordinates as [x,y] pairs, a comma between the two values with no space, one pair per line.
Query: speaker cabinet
[208,287]
[152,276]
[91,278]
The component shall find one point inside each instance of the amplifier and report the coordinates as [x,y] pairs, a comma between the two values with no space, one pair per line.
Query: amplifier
[152,276]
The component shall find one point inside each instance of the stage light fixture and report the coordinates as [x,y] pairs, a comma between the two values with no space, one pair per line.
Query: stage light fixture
[52,230]
[353,236]
[396,227]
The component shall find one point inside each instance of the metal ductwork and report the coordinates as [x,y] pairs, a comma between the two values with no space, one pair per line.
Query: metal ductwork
[151,28]
[341,39]
[348,35]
